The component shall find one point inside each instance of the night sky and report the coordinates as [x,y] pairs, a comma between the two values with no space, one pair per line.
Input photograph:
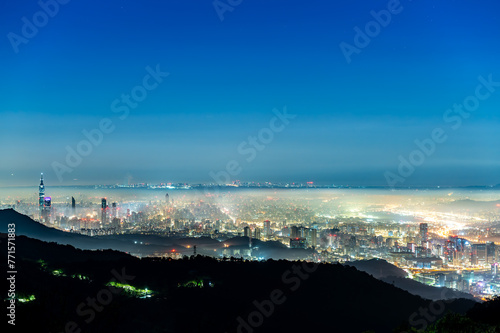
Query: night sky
[353,116]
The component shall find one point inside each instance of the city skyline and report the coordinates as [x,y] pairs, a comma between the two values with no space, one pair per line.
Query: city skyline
[438,237]
[202,83]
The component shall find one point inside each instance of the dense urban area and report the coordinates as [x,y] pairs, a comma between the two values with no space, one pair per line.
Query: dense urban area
[440,237]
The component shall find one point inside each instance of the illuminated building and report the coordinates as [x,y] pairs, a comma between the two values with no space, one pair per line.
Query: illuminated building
[312,237]
[441,280]
[494,269]
[41,193]
[432,262]
[424,232]
[114,211]
[44,202]
[267,228]
[115,222]
[297,243]
[247,232]
[47,203]
[411,247]
[449,251]
[256,233]
[490,252]
[285,232]
[482,254]
[478,255]
[301,232]
[104,207]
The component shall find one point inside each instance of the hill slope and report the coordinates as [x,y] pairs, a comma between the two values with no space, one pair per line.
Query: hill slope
[389,273]
[202,294]
[27,227]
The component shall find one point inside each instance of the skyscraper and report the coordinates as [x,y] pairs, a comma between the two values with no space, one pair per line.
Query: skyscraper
[424,232]
[313,237]
[301,232]
[104,207]
[490,252]
[73,203]
[47,203]
[257,233]
[479,254]
[247,232]
[41,193]
[44,202]
[267,228]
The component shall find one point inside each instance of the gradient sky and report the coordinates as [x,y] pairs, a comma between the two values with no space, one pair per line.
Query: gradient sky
[353,120]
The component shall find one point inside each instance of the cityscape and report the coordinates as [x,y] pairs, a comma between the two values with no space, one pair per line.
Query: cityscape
[250,166]
[440,237]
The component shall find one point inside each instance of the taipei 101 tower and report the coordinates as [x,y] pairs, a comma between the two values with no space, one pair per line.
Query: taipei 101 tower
[41,193]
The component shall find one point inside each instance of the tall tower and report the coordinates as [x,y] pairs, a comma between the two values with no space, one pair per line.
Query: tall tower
[104,207]
[424,232]
[41,193]
[267,228]
[73,203]
[247,232]
[257,233]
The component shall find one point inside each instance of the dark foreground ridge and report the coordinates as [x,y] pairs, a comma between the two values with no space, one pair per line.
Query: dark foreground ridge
[72,292]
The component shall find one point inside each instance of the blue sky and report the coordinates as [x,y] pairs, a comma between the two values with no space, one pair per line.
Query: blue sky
[353,120]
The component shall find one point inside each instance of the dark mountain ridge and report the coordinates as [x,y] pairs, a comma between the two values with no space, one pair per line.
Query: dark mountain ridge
[202,294]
